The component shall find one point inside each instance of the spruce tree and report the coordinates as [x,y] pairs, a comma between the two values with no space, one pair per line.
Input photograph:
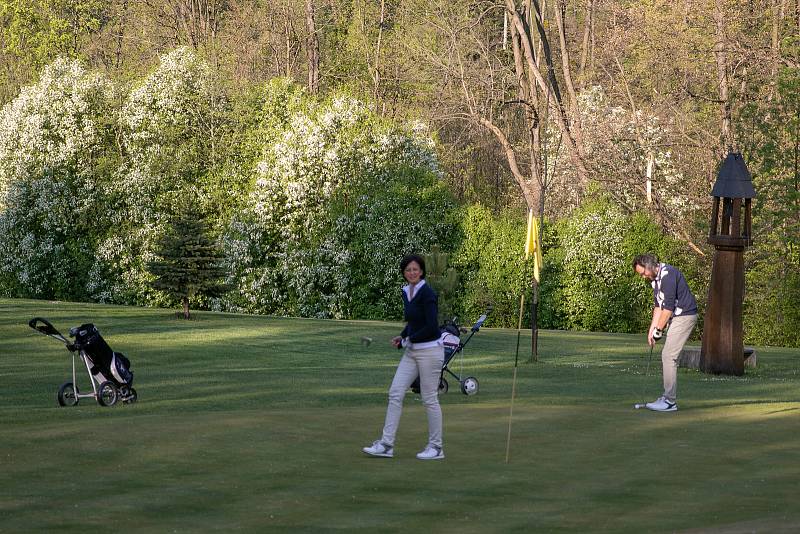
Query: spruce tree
[190,262]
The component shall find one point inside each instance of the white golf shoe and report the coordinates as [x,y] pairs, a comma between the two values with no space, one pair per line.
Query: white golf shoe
[662,405]
[431,452]
[380,449]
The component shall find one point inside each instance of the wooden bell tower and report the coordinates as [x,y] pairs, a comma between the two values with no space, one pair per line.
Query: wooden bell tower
[730,233]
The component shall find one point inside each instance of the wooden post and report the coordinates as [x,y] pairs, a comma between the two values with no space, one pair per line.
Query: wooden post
[723,346]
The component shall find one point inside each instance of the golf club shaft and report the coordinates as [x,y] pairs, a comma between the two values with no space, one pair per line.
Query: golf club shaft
[647,372]
[513,391]
[511,413]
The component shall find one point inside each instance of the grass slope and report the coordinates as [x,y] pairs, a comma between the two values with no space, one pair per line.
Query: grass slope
[256,423]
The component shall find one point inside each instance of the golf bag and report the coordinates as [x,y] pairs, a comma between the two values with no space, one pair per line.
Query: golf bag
[452,344]
[106,364]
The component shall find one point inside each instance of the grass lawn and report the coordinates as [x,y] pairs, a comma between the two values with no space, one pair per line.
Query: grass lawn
[255,424]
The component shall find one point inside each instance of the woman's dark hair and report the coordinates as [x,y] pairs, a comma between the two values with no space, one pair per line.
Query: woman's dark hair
[413,257]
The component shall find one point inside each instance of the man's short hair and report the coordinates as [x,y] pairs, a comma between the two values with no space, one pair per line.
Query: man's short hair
[647,261]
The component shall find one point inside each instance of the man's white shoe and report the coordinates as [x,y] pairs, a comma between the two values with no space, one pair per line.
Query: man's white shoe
[662,405]
[431,452]
[380,449]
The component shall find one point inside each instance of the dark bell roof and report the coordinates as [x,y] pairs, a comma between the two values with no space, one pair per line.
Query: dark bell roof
[733,180]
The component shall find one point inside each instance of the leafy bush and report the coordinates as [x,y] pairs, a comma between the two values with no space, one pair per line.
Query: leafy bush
[491,264]
[771,315]
[55,149]
[340,197]
[588,283]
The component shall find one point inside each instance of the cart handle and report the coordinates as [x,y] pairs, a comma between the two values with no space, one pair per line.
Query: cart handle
[479,323]
[45,328]
[48,329]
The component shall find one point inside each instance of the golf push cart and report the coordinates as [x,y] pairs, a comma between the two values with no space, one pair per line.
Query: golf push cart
[451,339]
[109,371]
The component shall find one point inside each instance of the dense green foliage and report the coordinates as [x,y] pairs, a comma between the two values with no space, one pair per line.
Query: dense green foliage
[772,314]
[589,283]
[491,265]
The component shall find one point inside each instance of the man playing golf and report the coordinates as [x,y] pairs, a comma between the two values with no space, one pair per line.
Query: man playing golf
[676,308]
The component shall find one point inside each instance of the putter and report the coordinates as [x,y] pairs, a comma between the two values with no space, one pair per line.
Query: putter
[646,376]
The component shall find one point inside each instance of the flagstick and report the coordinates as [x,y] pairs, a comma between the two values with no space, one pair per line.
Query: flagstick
[514,380]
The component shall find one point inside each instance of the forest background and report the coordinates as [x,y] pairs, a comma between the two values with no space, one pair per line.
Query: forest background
[322,140]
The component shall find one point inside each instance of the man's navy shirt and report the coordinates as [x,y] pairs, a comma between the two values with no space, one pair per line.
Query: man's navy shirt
[671,292]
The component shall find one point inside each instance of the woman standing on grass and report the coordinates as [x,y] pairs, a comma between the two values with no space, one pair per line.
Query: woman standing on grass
[423,357]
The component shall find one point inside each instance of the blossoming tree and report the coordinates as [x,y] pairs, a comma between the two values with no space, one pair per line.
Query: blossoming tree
[171,125]
[339,198]
[54,152]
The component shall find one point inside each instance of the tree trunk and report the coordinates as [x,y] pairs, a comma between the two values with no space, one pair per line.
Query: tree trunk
[723,76]
[565,67]
[186,308]
[376,72]
[778,14]
[588,39]
[312,49]
[528,94]
[570,133]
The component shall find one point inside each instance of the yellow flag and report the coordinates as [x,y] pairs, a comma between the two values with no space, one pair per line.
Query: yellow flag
[537,250]
[532,245]
[529,239]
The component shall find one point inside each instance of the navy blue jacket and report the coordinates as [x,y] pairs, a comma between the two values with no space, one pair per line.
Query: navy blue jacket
[422,316]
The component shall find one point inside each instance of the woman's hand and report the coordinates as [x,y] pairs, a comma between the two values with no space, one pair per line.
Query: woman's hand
[397,342]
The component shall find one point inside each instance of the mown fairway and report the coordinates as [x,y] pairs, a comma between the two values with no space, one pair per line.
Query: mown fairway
[256,424]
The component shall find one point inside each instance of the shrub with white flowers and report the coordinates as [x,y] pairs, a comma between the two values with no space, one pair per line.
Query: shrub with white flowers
[171,127]
[620,144]
[54,147]
[339,198]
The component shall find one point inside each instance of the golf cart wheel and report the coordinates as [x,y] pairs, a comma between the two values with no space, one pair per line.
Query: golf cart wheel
[107,394]
[443,386]
[67,394]
[131,397]
[469,386]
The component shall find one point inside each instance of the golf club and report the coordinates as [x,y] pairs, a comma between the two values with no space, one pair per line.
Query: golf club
[638,406]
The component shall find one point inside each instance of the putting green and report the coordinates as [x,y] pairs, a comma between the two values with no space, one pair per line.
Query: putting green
[256,424]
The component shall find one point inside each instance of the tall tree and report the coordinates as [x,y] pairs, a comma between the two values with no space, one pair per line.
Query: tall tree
[312,49]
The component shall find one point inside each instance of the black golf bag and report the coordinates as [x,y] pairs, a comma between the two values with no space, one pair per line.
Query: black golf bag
[106,364]
[452,345]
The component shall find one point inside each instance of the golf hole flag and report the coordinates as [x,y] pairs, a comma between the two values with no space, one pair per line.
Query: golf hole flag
[532,244]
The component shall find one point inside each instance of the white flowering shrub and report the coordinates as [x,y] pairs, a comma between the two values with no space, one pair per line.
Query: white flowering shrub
[54,149]
[339,198]
[619,145]
[171,127]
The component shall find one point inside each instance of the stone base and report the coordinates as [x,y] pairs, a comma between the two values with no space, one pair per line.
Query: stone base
[690,358]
